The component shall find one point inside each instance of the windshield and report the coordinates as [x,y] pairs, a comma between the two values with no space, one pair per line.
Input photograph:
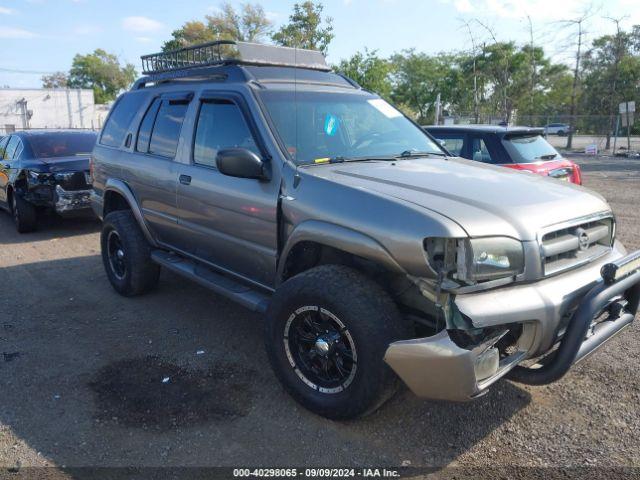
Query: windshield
[529,149]
[316,126]
[62,144]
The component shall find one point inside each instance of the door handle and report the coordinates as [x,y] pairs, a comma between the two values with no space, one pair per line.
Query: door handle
[185,179]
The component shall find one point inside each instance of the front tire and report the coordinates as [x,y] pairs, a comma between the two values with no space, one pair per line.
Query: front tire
[327,330]
[24,214]
[126,255]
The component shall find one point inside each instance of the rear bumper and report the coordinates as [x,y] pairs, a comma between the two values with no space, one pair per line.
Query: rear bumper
[437,368]
[71,201]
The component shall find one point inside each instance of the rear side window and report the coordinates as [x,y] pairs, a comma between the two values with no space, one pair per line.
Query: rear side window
[166,129]
[11,148]
[220,125]
[144,134]
[118,122]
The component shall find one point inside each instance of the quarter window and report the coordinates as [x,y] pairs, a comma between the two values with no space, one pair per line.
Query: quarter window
[480,152]
[167,127]
[220,125]
[144,134]
[118,122]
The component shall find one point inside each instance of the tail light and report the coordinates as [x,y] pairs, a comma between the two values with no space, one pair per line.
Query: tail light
[577,174]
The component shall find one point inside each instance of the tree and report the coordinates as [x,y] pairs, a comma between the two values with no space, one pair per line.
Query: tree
[306,28]
[250,24]
[368,70]
[55,80]
[418,79]
[102,72]
[611,72]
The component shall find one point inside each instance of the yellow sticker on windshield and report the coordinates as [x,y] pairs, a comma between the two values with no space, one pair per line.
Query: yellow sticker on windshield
[321,160]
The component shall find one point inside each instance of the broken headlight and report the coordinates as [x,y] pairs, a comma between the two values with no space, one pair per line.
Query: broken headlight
[490,258]
[473,260]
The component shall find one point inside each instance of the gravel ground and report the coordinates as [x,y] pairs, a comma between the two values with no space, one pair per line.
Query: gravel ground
[83,368]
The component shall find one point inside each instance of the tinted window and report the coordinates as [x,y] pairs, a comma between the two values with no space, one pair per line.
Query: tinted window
[11,148]
[118,122]
[166,130]
[220,125]
[62,144]
[144,134]
[480,152]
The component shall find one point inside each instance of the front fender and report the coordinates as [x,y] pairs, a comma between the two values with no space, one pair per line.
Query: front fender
[121,188]
[341,238]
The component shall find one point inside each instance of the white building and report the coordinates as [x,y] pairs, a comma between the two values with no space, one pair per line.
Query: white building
[49,108]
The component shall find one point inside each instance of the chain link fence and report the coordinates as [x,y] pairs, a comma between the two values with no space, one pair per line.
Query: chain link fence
[588,130]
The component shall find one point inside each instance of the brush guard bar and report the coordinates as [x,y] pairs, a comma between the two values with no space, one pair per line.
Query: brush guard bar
[619,278]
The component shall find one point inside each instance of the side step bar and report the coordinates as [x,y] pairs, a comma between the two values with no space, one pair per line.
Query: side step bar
[232,289]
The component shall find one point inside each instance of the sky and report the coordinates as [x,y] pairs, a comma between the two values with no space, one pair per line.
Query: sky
[41,36]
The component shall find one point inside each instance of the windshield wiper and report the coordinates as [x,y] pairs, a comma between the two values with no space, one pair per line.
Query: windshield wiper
[414,154]
[341,159]
[550,156]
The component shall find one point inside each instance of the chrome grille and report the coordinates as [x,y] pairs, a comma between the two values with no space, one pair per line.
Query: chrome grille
[575,244]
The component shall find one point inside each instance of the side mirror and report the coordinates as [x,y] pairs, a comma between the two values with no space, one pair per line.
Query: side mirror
[240,162]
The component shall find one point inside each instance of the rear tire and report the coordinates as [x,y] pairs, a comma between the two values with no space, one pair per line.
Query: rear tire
[24,214]
[126,255]
[326,333]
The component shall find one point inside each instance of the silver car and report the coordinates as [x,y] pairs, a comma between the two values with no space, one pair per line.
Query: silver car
[373,255]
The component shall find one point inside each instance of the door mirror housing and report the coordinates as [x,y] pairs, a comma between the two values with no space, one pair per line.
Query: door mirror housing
[242,163]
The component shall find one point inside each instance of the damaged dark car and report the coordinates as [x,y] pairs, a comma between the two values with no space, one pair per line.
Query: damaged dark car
[45,170]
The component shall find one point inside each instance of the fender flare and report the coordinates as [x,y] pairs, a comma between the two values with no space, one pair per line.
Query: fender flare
[123,189]
[341,238]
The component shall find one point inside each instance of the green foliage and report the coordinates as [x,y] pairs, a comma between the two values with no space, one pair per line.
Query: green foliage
[249,24]
[55,80]
[306,28]
[611,72]
[369,70]
[102,72]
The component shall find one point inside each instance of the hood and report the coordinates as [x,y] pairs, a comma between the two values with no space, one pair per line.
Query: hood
[58,164]
[483,199]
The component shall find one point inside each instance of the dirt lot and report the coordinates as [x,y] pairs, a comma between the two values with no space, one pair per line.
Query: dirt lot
[82,377]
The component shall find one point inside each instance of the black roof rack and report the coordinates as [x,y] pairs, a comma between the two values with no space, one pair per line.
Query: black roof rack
[223,52]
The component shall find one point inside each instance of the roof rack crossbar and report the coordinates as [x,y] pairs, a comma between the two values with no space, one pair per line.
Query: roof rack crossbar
[227,52]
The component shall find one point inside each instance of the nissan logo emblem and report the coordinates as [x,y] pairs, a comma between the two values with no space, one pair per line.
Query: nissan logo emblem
[583,239]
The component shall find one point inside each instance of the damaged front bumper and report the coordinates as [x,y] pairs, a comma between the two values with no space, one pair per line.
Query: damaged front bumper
[71,201]
[555,311]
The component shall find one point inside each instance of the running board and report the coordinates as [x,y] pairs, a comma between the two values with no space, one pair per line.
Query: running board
[236,291]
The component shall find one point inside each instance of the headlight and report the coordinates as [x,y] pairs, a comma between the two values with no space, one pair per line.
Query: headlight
[480,259]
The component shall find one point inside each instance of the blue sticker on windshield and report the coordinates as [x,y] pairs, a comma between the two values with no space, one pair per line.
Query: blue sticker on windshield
[331,124]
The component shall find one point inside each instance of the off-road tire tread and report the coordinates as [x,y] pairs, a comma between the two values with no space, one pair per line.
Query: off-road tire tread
[377,318]
[142,272]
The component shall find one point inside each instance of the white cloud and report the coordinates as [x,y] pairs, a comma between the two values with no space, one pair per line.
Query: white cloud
[144,39]
[463,6]
[11,32]
[141,24]
[6,11]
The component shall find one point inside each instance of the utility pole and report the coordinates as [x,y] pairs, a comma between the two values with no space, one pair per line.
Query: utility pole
[476,106]
[579,22]
[618,54]
[437,115]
